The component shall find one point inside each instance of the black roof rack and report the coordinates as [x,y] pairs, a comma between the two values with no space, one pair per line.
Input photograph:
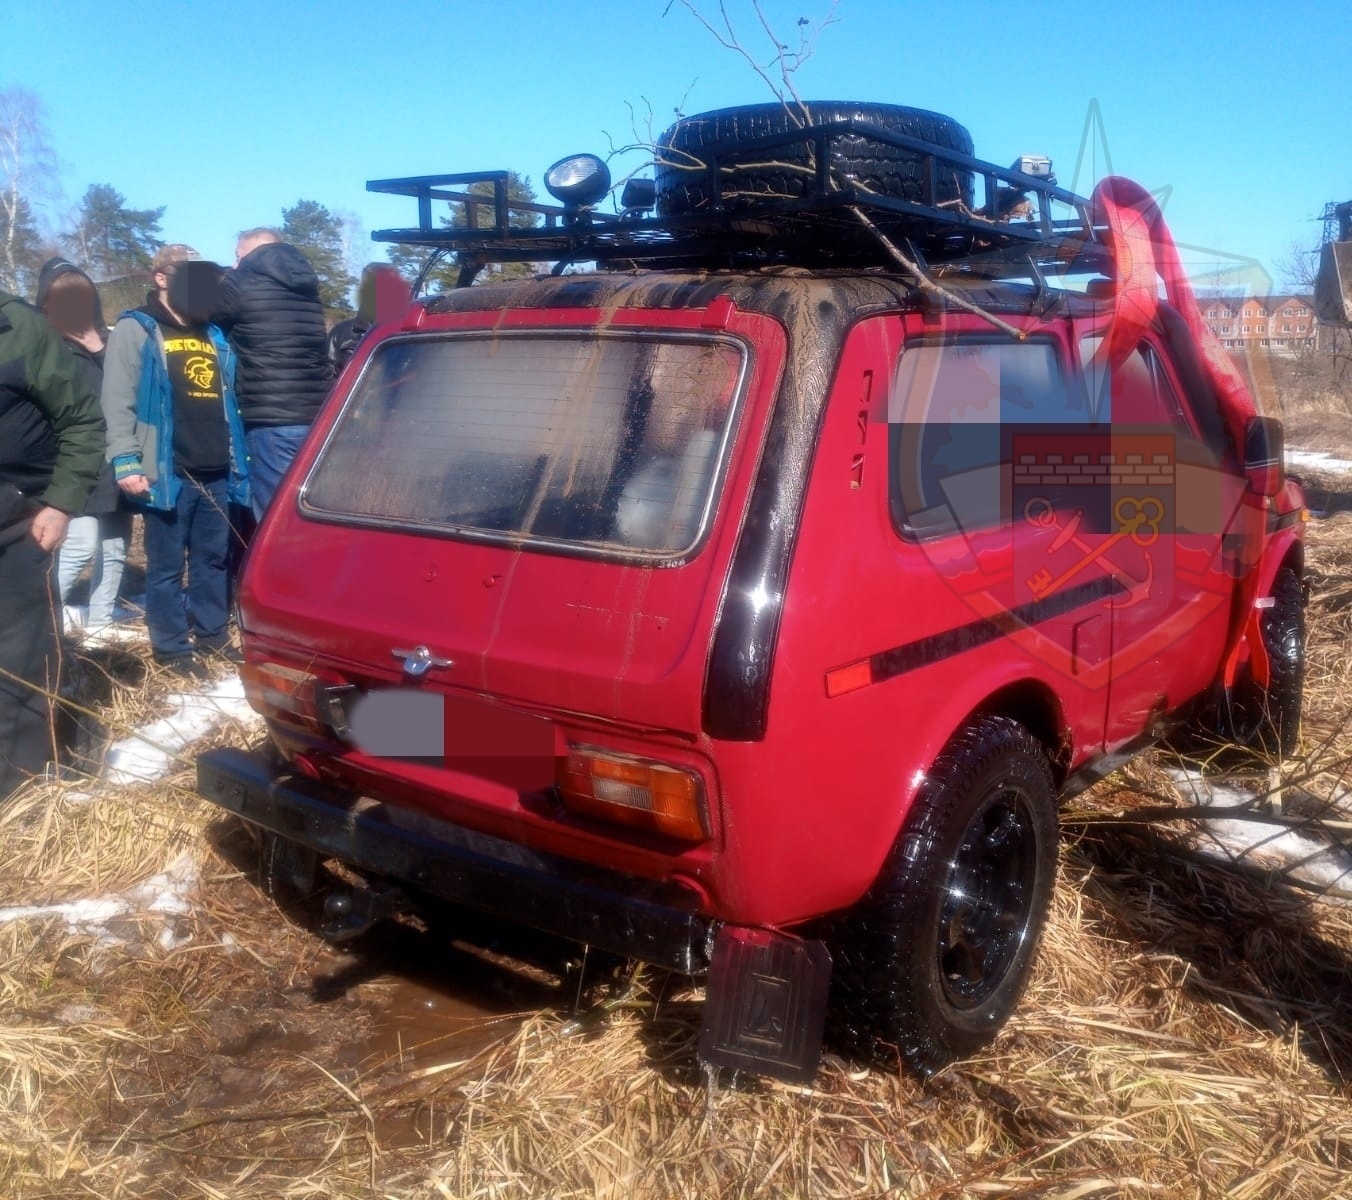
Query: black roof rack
[820,228]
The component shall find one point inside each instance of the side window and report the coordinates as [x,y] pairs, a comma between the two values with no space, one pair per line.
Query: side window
[955,412]
[1141,393]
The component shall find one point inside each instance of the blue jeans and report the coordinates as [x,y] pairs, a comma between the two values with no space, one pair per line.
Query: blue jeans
[271,449]
[101,540]
[195,534]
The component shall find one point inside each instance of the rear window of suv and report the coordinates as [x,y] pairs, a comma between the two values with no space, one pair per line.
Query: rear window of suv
[605,441]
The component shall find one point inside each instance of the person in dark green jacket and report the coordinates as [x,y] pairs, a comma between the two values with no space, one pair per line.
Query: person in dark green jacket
[52,444]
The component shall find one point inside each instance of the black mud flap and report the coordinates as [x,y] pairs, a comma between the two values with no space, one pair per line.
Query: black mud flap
[765,1004]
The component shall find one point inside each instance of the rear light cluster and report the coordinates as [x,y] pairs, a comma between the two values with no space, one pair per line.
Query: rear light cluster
[633,791]
[618,788]
[296,697]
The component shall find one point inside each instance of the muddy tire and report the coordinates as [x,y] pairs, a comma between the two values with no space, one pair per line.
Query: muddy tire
[788,171]
[1267,719]
[933,960]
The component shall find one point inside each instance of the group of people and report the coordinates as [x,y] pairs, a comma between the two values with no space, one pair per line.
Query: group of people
[187,413]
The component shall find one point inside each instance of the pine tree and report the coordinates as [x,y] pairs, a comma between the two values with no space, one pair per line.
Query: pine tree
[111,240]
[318,234]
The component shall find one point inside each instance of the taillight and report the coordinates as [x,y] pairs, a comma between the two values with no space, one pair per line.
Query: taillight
[634,791]
[294,696]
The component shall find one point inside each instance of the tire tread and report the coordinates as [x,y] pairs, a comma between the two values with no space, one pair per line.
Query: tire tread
[874,1010]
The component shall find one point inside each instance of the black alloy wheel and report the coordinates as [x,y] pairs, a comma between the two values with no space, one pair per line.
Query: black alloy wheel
[932,961]
[986,914]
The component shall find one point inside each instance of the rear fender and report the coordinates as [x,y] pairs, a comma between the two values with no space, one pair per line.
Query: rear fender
[1028,700]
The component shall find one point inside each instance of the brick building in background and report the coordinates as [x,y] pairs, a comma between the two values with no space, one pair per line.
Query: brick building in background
[1279,324]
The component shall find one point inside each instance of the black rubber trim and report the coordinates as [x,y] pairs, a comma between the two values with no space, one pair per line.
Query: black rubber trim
[611,911]
[737,682]
[887,664]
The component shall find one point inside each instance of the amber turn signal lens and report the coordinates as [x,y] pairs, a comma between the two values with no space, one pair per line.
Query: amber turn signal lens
[636,792]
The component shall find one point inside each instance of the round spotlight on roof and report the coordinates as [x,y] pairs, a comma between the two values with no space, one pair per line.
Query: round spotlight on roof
[578,180]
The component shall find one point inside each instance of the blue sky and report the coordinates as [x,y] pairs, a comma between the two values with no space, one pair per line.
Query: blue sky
[228,113]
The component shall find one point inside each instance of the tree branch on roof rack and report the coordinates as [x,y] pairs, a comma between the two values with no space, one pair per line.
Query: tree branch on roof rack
[788,61]
[926,284]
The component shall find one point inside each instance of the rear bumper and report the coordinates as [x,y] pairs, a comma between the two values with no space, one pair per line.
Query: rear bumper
[611,911]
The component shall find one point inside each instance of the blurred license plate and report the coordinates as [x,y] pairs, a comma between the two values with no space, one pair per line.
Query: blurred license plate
[482,739]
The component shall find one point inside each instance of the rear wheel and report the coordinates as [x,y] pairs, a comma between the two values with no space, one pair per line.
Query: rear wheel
[1262,720]
[934,959]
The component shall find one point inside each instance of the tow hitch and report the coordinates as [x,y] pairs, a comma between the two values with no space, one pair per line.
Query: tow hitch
[351,912]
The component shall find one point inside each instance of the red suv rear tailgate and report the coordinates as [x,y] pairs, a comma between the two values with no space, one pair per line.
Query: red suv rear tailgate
[615,632]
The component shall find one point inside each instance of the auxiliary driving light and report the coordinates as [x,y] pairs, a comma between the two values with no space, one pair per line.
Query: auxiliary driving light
[578,180]
[1039,166]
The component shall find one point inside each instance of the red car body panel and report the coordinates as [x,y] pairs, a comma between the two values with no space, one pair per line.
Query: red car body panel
[616,654]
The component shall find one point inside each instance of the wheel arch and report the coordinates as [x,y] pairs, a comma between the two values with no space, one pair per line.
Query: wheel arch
[1035,706]
[1286,552]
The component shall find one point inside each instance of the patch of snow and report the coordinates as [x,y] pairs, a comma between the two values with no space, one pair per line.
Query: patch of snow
[1318,460]
[149,753]
[127,625]
[1198,789]
[1267,844]
[168,894]
[80,915]
[168,891]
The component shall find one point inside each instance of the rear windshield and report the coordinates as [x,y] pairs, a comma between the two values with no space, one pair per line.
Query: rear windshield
[606,441]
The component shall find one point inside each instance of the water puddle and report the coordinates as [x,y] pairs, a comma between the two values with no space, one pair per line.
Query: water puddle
[438,1006]
[422,1024]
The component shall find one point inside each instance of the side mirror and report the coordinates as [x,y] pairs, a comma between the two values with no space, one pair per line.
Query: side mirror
[1264,446]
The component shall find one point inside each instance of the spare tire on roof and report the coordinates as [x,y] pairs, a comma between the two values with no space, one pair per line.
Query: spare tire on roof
[788,171]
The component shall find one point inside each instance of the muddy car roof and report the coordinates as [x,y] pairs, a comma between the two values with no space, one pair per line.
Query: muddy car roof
[780,293]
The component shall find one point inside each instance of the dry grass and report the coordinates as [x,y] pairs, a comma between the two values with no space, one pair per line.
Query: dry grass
[1187,1034]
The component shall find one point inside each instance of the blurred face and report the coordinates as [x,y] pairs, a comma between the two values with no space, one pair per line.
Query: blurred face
[70,304]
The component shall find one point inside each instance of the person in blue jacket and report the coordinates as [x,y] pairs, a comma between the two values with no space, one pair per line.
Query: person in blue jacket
[176,444]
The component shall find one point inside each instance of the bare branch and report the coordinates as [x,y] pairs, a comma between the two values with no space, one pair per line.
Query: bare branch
[790,62]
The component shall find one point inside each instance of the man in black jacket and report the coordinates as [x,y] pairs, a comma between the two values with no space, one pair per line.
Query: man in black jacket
[270,310]
[51,447]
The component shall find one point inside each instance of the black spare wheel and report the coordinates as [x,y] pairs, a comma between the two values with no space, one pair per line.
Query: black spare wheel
[788,170]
